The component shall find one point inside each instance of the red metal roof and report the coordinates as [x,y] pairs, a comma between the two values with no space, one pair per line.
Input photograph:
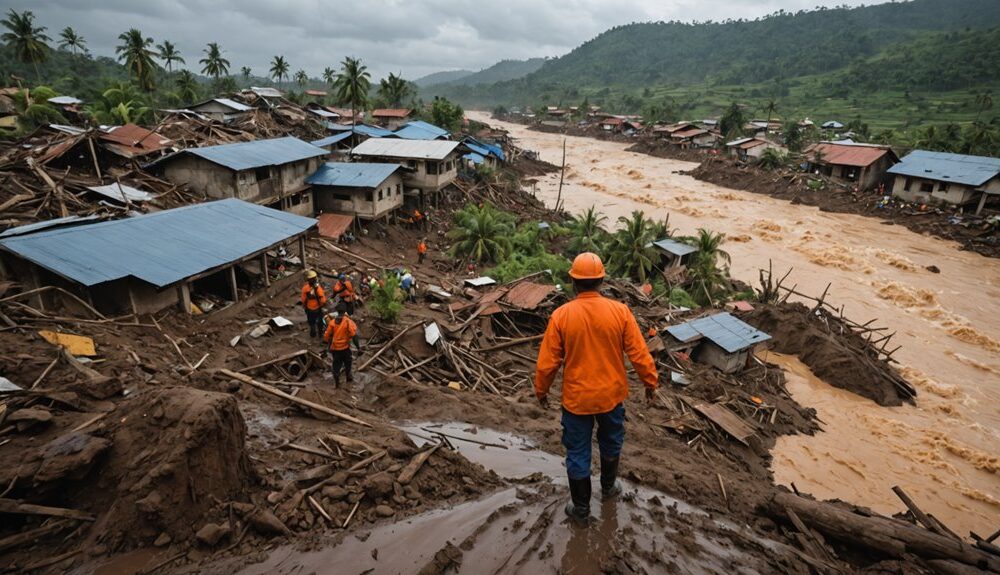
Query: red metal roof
[131,141]
[689,133]
[390,113]
[752,144]
[848,155]
[334,225]
[613,121]
[316,92]
[527,295]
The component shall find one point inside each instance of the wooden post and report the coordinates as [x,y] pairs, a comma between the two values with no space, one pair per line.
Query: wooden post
[184,296]
[302,251]
[982,202]
[233,290]
[131,301]
[263,267]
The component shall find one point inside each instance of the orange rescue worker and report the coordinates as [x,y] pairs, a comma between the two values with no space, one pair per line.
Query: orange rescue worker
[345,289]
[340,332]
[313,300]
[421,250]
[589,338]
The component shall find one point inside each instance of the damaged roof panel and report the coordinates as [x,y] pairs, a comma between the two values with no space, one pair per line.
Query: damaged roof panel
[394,148]
[255,154]
[352,174]
[528,295]
[722,329]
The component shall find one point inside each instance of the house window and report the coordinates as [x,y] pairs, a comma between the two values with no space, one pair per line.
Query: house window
[399,189]
[342,197]
[448,167]
[368,196]
[262,173]
[927,187]
[908,184]
[432,168]
[380,194]
[943,187]
[411,163]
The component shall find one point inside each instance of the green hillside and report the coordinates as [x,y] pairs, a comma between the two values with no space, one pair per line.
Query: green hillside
[442,77]
[500,72]
[891,64]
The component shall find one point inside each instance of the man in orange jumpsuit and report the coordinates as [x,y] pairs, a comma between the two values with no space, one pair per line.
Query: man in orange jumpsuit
[340,332]
[313,300]
[345,289]
[421,251]
[589,337]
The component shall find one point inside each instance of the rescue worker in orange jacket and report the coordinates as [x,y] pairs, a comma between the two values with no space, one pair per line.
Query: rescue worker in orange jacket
[341,331]
[589,337]
[345,289]
[313,300]
[421,251]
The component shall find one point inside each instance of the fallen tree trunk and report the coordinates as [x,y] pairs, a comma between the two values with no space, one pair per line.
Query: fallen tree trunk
[278,393]
[890,536]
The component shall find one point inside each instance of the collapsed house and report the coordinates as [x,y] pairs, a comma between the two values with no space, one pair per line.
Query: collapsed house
[863,165]
[957,179]
[146,263]
[268,172]
[687,135]
[221,109]
[719,340]
[368,191]
[132,141]
[746,149]
[489,155]
[433,164]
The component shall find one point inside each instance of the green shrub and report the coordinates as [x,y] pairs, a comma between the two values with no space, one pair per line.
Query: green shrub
[387,299]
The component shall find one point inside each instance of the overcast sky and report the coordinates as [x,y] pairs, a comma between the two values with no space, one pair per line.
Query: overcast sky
[415,37]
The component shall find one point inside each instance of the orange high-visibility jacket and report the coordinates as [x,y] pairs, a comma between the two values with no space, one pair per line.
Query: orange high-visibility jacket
[422,248]
[345,289]
[313,300]
[589,337]
[340,335]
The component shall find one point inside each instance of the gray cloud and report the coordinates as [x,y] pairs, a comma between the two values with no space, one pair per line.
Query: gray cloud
[415,37]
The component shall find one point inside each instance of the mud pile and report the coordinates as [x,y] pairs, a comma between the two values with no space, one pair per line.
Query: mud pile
[656,147]
[836,359]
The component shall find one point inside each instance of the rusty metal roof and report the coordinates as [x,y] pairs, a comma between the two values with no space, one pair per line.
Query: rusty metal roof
[132,141]
[334,225]
[689,133]
[391,113]
[842,154]
[528,295]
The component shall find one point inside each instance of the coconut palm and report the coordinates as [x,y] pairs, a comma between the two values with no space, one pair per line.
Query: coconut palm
[631,253]
[353,83]
[481,233]
[770,108]
[279,68]
[301,78]
[707,276]
[329,75]
[137,53]
[587,233]
[213,63]
[245,71]
[984,101]
[169,53]
[70,39]
[772,159]
[394,90]
[187,86]
[27,39]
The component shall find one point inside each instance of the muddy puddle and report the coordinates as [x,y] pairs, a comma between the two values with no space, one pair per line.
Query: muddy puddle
[945,322]
[523,529]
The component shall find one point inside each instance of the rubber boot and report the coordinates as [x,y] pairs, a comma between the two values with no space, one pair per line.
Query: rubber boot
[578,507]
[610,486]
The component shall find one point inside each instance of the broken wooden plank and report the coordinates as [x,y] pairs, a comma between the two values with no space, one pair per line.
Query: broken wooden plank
[728,421]
[512,342]
[382,349]
[411,469]
[14,506]
[32,535]
[278,393]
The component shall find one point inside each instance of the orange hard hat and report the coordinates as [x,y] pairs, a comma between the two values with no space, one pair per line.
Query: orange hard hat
[587,266]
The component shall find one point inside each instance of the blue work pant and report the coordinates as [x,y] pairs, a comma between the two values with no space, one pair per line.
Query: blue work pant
[578,431]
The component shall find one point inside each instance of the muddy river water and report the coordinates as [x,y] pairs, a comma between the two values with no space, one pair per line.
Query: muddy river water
[945,450]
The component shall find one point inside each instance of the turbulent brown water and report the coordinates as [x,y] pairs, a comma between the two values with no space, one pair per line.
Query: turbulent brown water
[943,451]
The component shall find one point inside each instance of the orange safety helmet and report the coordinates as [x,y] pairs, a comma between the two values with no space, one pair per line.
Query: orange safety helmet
[587,266]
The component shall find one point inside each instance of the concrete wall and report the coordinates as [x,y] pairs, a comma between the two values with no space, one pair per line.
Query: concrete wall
[420,176]
[363,202]
[711,354]
[264,185]
[955,194]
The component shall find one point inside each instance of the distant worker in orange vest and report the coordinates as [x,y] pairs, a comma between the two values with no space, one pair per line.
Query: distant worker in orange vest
[341,331]
[313,300]
[421,250]
[589,337]
[345,289]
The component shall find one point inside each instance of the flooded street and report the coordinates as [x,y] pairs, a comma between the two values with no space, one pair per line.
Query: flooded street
[943,451]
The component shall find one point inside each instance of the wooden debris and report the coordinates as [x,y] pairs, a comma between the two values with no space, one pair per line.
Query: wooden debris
[411,469]
[728,421]
[20,508]
[382,349]
[278,393]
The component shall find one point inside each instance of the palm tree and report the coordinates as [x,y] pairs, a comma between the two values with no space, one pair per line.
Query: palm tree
[481,233]
[394,90]
[353,83]
[169,53]
[984,101]
[301,78]
[135,50]
[279,68]
[245,71]
[772,159]
[213,63]
[631,251]
[329,75]
[27,39]
[120,104]
[706,274]
[187,86]
[586,232]
[770,108]
[70,39]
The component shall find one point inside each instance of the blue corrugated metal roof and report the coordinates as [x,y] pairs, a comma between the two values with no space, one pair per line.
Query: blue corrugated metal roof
[373,131]
[332,139]
[416,133]
[38,226]
[474,157]
[674,247]
[945,167]
[255,154]
[483,149]
[427,127]
[352,175]
[161,248]
[722,329]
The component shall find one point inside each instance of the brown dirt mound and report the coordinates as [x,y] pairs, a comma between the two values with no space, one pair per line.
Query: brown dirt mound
[659,149]
[834,359]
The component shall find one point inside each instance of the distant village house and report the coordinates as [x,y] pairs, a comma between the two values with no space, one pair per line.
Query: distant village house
[863,165]
[721,340]
[747,149]
[221,109]
[956,179]
[368,191]
[391,118]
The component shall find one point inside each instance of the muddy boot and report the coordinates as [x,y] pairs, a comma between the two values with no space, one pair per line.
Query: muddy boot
[578,507]
[610,486]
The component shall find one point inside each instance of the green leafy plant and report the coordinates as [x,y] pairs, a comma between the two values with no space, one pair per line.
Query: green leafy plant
[587,233]
[387,299]
[630,253]
[772,159]
[481,233]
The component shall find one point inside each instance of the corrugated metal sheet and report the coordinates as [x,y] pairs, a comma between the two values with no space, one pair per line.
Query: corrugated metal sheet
[267,92]
[161,248]
[373,131]
[325,113]
[427,126]
[417,133]
[415,149]
[844,154]
[329,140]
[121,193]
[527,295]
[474,158]
[132,141]
[690,133]
[352,175]
[248,155]
[38,226]
[739,142]
[945,167]
[675,247]
[334,225]
[65,101]
[722,329]
[390,113]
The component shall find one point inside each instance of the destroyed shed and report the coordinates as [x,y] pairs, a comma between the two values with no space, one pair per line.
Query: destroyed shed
[861,164]
[433,163]
[719,340]
[221,109]
[673,254]
[146,263]
[368,191]
[267,172]
[132,141]
[941,177]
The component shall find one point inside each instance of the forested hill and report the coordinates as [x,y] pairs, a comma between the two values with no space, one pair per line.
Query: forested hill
[774,48]
[499,72]
[442,77]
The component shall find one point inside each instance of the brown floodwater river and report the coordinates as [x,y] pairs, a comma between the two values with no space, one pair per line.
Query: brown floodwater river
[945,450]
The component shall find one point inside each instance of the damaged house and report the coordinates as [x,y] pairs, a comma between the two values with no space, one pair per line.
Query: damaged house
[391,118]
[368,191]
[267,172]
[221,109]
[146,263]
[433,164]
[719,340]
[863,165]
[956,179]
[747,149]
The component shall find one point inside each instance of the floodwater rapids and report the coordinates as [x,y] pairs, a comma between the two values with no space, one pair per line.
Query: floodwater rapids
[944,450]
